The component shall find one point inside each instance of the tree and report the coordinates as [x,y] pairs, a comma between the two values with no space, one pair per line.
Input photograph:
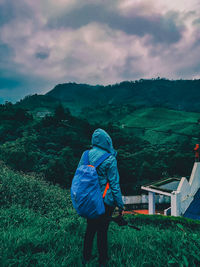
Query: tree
[60,113]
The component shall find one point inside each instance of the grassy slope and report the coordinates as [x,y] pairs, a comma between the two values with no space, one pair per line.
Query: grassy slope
[40,228]
[156,125]
[158,122]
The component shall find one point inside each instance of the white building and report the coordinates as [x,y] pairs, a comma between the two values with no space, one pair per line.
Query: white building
[180,190]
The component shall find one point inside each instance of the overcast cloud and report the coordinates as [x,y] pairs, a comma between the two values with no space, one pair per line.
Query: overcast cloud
[46,42]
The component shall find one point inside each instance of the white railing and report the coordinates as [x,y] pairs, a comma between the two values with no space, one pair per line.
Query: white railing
[144,199]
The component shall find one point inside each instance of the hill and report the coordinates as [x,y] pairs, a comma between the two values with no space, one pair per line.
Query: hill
[38,105]
[176,94]
[154,110]
[161,125]
[172,94]
[40,228]
[156,125]
[152,143]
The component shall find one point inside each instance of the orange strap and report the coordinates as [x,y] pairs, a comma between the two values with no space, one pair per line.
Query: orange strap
[91,166]
[106,189]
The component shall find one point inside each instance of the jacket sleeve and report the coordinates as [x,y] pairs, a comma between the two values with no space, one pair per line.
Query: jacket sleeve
[113,179]
[81,161]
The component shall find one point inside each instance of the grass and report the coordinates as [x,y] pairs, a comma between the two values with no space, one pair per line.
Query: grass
[39,227]
[162,125]
[154,118]
[156,125]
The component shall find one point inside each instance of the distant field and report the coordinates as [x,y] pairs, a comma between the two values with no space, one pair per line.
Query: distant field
[156,125]
[160,125]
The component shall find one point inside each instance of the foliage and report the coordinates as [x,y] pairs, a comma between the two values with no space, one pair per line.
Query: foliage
[175,94]
[31,192]
[53,144]
[21,154]
[38,227]
[13,122]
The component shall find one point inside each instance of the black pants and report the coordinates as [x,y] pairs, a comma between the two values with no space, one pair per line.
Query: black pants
[99,226]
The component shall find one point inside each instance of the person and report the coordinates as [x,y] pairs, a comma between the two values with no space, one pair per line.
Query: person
[196,149]
[107,172]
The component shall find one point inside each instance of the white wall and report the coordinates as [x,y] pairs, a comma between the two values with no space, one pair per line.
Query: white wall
[195,178]
[187,189]
[185,195]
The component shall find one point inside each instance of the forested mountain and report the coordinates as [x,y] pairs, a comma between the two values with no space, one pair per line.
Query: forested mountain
[172,94]
[154,137]
[176,94]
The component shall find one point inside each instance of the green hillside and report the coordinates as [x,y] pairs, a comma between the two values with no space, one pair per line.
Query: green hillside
[176,94]
[52,145]
[160,118]
[161,125]
[173,94]
[154,110]
[40,228]
[156,125]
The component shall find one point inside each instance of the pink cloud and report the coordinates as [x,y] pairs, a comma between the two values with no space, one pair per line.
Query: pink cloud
[96,52]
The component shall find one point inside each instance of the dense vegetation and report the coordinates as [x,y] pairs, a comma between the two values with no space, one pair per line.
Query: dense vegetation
[40,228]
[175,94]
[51,145]
[44,136]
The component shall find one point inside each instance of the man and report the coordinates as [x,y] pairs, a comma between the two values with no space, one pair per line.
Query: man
[107,172]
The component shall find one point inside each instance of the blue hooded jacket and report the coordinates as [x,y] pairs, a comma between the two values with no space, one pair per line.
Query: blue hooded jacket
[107,171]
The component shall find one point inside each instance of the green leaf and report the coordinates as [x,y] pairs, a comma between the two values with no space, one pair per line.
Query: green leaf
[185,261]
[172,261]
[180,226]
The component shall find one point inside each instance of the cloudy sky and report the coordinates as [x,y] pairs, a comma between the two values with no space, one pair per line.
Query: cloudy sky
[46,42]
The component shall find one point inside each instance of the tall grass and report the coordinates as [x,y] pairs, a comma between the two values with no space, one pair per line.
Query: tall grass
[40,228]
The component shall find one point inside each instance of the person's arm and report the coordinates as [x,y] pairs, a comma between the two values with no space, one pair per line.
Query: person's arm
[81,161]
[113,179]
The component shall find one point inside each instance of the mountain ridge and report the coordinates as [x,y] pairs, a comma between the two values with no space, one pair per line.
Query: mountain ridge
[176,94]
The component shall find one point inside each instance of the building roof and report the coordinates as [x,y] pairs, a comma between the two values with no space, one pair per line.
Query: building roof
[164,186]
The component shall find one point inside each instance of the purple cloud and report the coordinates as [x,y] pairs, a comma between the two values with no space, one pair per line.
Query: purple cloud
[96,41]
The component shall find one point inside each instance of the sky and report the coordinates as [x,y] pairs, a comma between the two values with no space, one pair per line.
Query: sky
[47,42]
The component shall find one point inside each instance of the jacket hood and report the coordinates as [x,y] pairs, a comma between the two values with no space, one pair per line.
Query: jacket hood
[101,139]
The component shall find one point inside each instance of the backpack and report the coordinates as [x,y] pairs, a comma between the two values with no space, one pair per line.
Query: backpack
[86,195]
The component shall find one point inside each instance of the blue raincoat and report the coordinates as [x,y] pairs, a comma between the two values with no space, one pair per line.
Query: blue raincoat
[107,171]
